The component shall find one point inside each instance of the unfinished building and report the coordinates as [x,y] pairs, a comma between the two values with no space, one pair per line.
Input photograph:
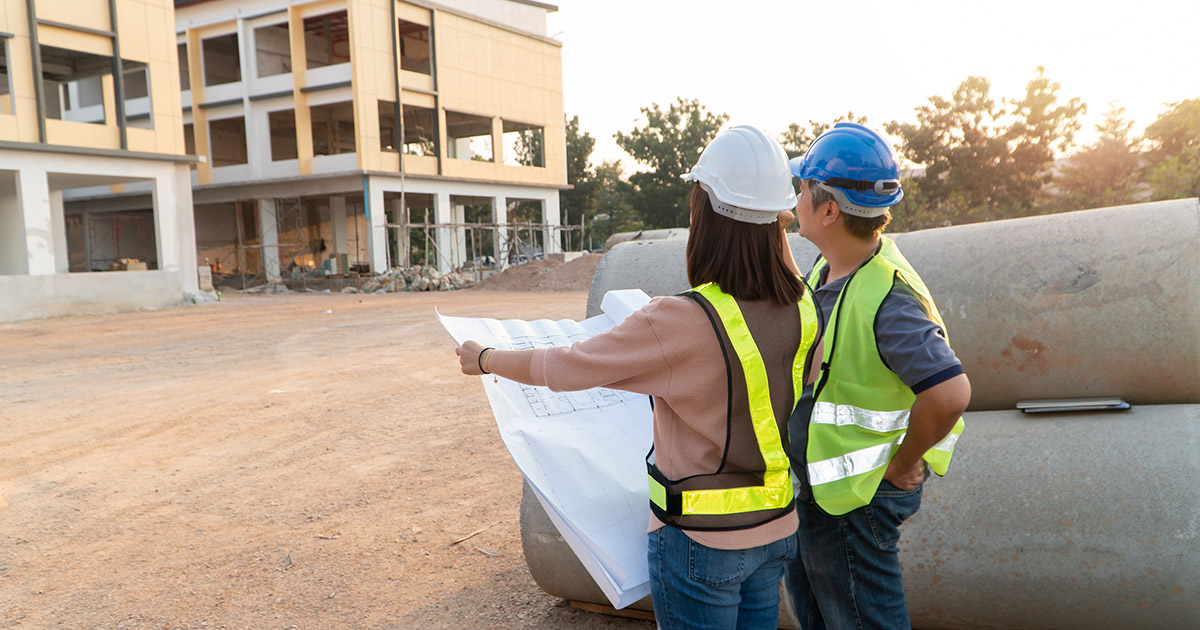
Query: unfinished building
[89,104]
[358,135]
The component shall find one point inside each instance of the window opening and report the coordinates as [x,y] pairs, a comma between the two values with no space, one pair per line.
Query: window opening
[222,61]
[189,141]
[333,128]
[327,39]
[227,141]
[524,145]
[272,50]
[65,71]
[185,78]
[6,105]
[419,129]
[283,134]
[138,104]
[416,47]
[469,137]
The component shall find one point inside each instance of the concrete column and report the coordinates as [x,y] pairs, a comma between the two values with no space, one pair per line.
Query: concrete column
[33,191]
[442,215]
[341,238]
[376,215]
[551,216]
[58,227]
[500,237]
[175,226]
[270,239]
[403,251]
[12,227]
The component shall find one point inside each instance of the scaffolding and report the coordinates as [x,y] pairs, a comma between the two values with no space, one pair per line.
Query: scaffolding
[518,245]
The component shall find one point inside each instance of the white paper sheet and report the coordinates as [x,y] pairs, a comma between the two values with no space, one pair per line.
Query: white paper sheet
[584,452]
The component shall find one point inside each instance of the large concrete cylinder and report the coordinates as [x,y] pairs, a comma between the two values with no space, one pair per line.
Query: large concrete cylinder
[1046,521]
[1062,521]
[1079,520]
[1093,303]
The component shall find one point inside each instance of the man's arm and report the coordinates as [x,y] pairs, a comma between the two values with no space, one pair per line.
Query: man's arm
[933,416]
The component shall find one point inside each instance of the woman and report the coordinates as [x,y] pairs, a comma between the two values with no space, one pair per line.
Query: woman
[725,363]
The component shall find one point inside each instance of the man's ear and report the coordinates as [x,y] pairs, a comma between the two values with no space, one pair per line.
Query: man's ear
[830,213]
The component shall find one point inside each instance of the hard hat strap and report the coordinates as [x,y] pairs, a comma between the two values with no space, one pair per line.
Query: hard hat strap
[845,205]
[880,187]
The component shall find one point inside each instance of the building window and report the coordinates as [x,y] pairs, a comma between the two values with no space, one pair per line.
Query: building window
[227,141]
[6,106]
[185,77]
[189,141]
[333,128]
[524,145]
[469,137]
[327,39]
[416,47]
[138,109]
[222,62]
[283,134]
[419,129]
[73,84]
[272,50]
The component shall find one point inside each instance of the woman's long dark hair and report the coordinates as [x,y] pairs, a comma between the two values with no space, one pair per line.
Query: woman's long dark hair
[744,259]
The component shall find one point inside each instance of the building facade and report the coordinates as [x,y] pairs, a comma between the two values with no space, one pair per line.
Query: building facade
[90,109]
[359,135]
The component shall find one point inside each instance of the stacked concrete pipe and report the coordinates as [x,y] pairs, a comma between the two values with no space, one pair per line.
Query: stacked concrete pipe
[1061,520]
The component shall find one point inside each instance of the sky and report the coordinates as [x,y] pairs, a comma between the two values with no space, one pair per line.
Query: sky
[769,63]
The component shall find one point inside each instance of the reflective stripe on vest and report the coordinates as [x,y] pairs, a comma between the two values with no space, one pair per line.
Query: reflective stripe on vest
[776,491]
[861,408]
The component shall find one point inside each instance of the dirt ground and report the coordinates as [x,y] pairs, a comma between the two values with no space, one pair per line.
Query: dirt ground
[287,461]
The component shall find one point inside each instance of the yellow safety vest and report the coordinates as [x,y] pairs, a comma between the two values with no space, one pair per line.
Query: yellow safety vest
[708,502]
[861,408]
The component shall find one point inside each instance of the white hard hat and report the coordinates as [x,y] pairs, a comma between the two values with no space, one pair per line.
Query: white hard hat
[746,176]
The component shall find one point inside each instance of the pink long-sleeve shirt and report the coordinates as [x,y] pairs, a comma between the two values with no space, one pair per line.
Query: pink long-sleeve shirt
[669,350]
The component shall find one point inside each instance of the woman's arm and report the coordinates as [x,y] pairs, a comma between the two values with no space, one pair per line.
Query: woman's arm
[513,365]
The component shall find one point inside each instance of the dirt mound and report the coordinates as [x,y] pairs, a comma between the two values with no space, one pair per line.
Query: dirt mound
[545,275]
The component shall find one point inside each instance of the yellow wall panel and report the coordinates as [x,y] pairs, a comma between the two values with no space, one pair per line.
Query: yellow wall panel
[411,13]
[74,40]
[89,13]
[135,37]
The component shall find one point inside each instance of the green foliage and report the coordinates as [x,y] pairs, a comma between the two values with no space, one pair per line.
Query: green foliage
[984,161]
[614,210]
[797,139]
[1105,173]
[579,201]
[1174,152]
[669,144]
[530,147]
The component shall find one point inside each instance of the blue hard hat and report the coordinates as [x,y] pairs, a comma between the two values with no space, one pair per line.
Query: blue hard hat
[856,160]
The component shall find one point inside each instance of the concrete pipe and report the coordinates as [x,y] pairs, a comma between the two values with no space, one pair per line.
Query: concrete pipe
[1084,520]
[1082,304]
[1047,521]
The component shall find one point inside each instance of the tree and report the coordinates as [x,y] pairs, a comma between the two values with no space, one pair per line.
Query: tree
[614,210]
[579,201]
[1105,173]
[797,139]
[1040,130]
[983,161]
[669,144]
[1174,152]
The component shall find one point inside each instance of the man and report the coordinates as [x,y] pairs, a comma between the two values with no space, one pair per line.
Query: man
[887,406]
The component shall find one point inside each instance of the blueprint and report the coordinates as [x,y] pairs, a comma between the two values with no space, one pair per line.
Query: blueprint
[583,453]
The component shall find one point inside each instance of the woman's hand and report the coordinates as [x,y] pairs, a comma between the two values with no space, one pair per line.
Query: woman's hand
[469,359]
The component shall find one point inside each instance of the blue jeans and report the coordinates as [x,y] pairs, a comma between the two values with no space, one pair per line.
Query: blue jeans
[701,588]
[847,574]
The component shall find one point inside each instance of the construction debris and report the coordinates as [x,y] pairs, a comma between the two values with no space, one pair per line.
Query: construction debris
[417,278]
